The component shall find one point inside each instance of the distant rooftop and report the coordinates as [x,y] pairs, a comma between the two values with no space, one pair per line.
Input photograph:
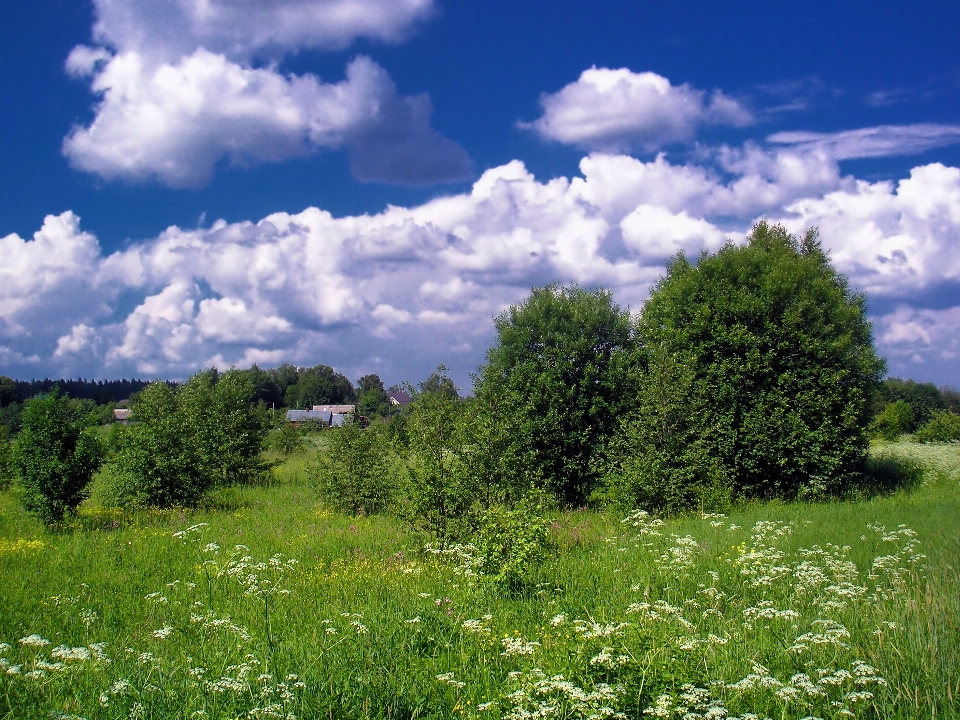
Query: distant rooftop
[309,415]
[399,398]
[336,409]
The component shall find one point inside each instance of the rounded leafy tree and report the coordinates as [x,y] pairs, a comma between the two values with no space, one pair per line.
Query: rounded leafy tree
[56,456]
[554,386]
[775,359]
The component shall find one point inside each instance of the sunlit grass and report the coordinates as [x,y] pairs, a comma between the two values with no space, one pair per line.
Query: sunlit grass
[704,616]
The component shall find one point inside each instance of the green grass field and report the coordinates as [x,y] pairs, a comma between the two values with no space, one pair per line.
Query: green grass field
[847,609]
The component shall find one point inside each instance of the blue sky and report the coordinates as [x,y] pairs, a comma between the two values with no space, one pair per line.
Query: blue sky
[367,183]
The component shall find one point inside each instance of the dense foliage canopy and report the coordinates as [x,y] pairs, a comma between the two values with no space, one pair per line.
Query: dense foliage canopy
[555,383]
[782,361]
[55,456]
[187,440]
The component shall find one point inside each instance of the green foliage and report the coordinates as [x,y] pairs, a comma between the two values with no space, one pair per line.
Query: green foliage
[951,398]
[55,456]
[555,383]
[661,461]
[353,474]
[782,359]
[6,460]
[8,391]
[923,399]
[943,426]
[372,400]
[441,490]
[186,441]
[513,540]
[10,418]
[319,385]
[895,420]
[287,439]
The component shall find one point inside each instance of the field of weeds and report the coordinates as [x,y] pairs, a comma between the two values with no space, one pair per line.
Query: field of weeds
[267,605]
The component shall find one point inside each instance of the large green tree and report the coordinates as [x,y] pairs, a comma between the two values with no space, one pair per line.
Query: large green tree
[55,455]
[555,383]
[782,361]
[319,385]
[372,400]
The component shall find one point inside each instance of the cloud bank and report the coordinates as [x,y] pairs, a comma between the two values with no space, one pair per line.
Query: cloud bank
[399,291]
[177,93]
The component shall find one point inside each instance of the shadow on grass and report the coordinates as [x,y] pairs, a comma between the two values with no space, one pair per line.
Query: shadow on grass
[887,474]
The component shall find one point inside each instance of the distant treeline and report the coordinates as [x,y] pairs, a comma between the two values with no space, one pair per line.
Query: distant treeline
[101,392]
[284,386]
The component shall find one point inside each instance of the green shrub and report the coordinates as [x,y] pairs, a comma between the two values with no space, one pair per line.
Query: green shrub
[895,420]
[6,460]
[512,540]
[55,456]
[441,490]
[354,475]
[782,359]
[556,383]
[287,439]
[659,462]
[943,426]
[188,440]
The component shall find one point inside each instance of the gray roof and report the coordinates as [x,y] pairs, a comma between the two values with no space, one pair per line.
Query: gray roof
[336,409]
[305,415]
[338,419]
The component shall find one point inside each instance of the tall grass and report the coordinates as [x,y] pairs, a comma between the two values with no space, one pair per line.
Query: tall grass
[844,609]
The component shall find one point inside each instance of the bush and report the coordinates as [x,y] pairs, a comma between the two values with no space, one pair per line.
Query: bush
[186,441]
[55,456]
[943,426]
[287,439]
[512,540]
[353,474]
[10,418]
[895,420]
[659,461]
[555,385]
[6,460]
[782,360]
[441,489]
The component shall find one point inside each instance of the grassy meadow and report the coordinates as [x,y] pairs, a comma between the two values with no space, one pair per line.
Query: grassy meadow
[266,604]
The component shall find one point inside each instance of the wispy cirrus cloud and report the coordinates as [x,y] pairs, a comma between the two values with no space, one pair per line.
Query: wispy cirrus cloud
[872,142]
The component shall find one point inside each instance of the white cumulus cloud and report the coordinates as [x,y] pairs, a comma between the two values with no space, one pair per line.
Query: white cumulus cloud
[615,110]
[174,123]
[177,93]
[243,28]
[399,291]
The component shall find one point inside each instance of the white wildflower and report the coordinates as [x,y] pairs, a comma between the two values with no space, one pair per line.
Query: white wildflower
[34,641]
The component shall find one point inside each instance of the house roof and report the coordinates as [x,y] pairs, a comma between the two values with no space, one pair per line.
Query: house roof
[121,414]
[306,415]
[399,398]
[337,409]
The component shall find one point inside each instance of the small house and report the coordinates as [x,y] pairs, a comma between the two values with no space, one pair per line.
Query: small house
[336,409]
[319,417]
[399,398]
